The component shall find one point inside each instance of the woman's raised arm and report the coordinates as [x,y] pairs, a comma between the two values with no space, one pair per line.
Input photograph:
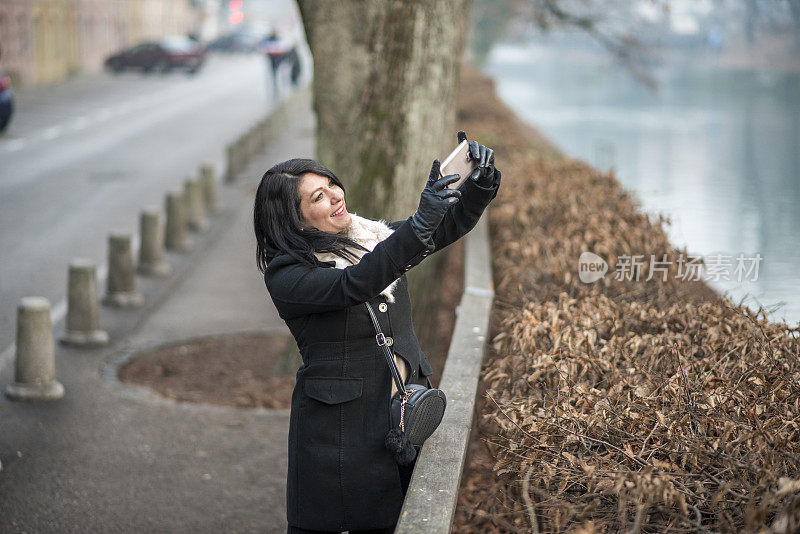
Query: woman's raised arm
[299,289]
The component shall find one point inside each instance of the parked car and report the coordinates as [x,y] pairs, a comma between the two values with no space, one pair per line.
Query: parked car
[161,56]
[6,101]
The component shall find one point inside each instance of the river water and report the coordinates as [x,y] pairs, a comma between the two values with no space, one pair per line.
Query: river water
[716,150]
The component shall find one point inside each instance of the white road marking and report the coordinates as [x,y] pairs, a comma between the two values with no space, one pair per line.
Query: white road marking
[103,114]
[80,123]
[59,311]
[15,144]
[52,132]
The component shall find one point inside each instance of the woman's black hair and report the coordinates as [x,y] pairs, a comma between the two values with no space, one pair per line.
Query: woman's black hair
[277,218]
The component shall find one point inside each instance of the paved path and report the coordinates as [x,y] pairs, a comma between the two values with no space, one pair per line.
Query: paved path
[106,459]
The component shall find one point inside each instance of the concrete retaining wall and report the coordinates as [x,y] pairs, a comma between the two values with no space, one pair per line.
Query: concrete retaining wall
[431,499]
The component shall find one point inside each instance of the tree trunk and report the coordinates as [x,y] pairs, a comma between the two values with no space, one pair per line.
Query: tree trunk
[751,16]
[794,9]
[385,74]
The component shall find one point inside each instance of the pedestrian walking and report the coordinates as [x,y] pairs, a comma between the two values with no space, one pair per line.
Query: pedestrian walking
[280,51]
[321,263]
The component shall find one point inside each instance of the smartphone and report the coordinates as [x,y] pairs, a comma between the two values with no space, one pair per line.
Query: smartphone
[458,162]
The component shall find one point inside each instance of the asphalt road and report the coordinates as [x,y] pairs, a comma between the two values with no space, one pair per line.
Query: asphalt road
[82,158]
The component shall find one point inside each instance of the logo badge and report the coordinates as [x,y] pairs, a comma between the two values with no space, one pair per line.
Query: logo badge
[591,267]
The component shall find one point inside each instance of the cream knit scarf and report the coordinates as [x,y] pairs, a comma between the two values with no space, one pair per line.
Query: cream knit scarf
[366,233]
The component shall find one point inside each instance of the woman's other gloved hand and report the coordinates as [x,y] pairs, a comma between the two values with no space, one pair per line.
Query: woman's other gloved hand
[484,175]
[436,198]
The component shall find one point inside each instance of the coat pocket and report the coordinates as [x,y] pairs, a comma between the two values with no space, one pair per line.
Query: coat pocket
[332,414]
[332,390]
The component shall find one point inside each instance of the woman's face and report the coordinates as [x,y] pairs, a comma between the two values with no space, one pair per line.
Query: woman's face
[322,204]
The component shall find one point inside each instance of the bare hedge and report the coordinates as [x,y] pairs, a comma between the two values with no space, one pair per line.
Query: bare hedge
[621,405]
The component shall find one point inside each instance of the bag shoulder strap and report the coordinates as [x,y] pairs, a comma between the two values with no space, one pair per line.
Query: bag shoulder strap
[381,340]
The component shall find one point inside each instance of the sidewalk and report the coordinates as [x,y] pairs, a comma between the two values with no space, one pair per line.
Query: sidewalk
[108,459]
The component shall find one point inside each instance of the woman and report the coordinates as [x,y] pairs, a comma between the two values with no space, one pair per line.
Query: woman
[320,264]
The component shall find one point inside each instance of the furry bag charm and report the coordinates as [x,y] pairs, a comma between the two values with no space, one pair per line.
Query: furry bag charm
[397,443]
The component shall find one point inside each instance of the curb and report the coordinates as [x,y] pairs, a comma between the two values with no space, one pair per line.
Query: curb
[110,373]
[432,495]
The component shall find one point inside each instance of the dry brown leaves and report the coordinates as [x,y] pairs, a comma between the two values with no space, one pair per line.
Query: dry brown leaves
[621,405]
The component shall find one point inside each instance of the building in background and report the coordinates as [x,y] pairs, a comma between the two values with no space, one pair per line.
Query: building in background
[45,41]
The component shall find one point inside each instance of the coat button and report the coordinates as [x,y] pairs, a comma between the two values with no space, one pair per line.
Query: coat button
[425,254]
[383,307]
[389,341]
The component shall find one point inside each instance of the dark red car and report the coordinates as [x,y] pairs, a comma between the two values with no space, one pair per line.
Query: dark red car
[162,56]
[6,101]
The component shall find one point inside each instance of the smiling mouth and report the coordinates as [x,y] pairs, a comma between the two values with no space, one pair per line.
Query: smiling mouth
[338,212]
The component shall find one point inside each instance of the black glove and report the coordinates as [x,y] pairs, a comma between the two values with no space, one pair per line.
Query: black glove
[484,174]
[436,198]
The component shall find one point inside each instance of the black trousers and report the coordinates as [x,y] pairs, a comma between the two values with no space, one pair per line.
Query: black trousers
[405,480]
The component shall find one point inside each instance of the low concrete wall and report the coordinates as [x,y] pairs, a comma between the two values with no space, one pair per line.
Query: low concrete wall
[252,143]
[431,499]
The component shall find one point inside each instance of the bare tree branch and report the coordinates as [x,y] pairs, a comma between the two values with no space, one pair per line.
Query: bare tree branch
[629,50]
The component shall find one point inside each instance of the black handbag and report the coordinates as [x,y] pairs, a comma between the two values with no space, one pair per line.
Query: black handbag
[416,410]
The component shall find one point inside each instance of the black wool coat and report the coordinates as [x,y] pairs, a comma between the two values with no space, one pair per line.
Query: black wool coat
[340,475]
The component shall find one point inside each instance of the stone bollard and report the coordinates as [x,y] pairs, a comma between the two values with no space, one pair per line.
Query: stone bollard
[35,367]
[255,142]
[151,247]
[252,144]
[242,156]
[245,154]
[83,309]
[193,200]
[175,227]
[258,131]
[230,160]
[121,282]
[209,182]
[265,133]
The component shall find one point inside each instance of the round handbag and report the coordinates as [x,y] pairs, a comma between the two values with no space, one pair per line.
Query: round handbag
[419,412]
